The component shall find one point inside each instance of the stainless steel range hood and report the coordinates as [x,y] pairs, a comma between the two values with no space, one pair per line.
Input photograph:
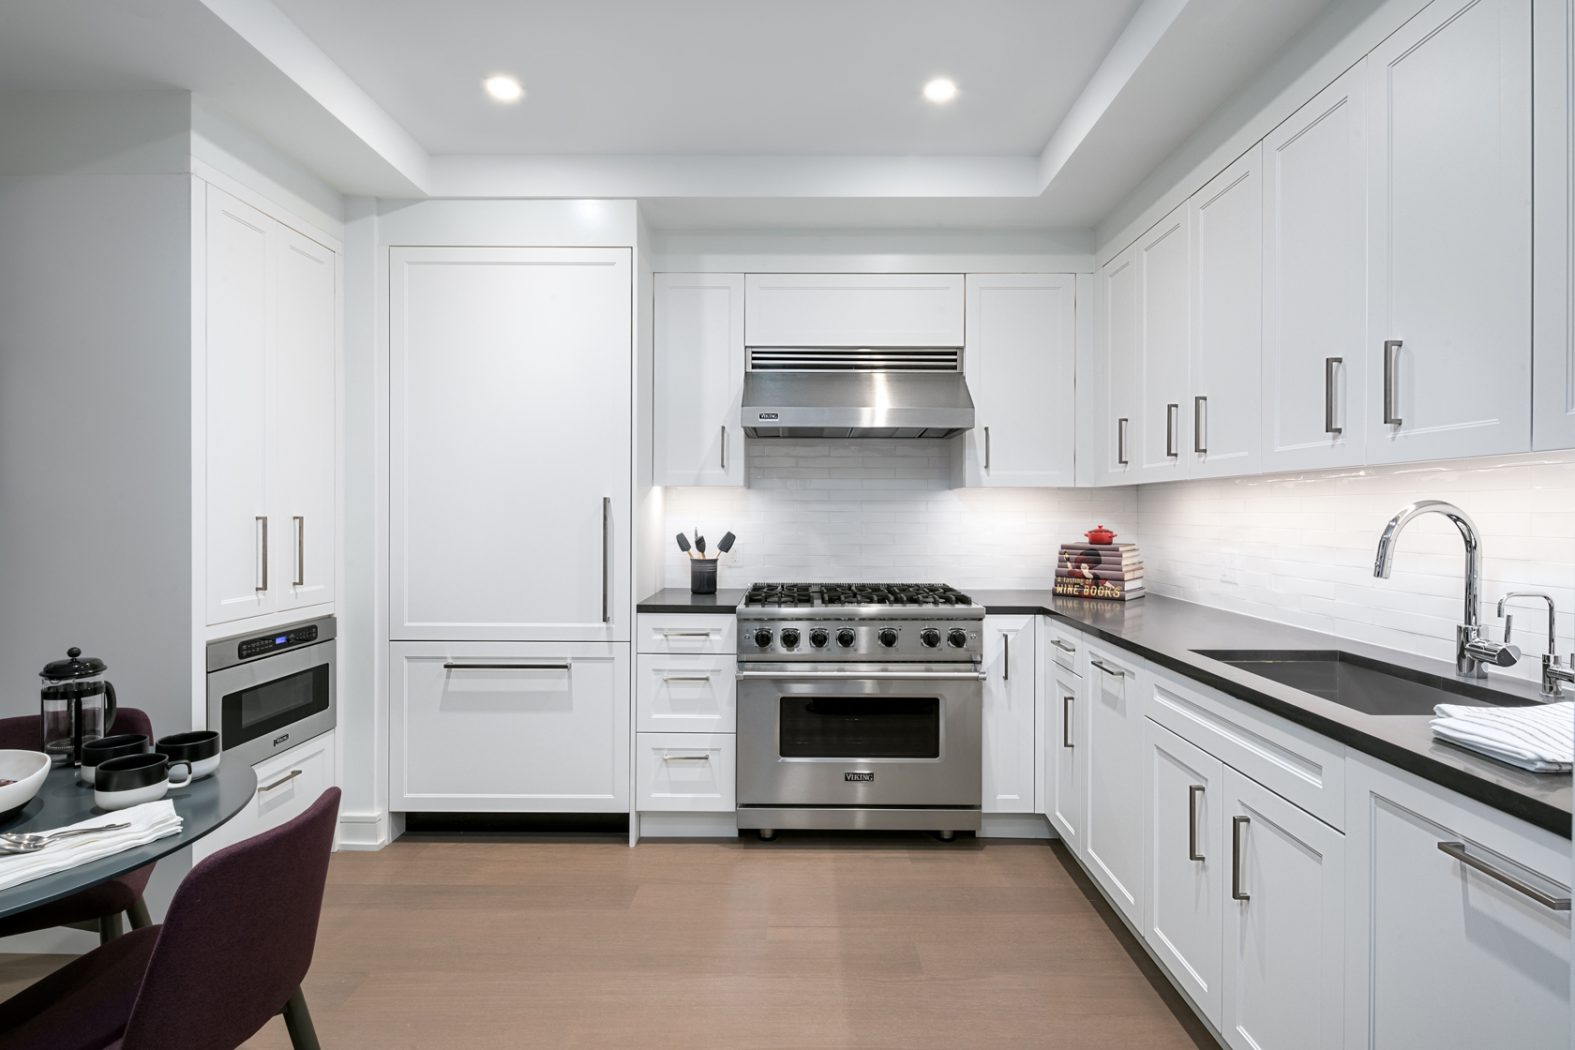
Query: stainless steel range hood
[838,392]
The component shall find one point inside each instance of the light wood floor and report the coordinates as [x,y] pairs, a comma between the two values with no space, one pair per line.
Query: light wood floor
[869,943]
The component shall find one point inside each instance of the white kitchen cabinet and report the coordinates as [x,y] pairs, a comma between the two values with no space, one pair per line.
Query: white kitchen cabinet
[1113,427]
[287,784]
[1553,245]
[1441,953]
[1111,737]
[1225,418]
[1164,333]
[509,727]
[687,634]
[1283,985]
[699,379]
[1020,361]
[271,319]
[510,386]
[1187,865]
[1449,238]
[685,772]
[1009,739]
[854,309]
[1061,714]
[686,694]
[1315,282]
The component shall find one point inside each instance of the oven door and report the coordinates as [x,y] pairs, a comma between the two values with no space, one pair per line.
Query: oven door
[269,705]
[859,737]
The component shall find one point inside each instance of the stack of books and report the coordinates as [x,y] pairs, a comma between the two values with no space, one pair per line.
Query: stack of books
[1113,571]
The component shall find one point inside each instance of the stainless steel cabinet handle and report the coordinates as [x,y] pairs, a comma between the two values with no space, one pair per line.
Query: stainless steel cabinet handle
[557,665]
[1457,850]
[300,551]
[1236,824]
[1006,667]
[606,555]
[986,448]
[1391,395]
[1172,411]
[686,758]
[1066,720]
[1121,441]
[1059,644]
[865,676]
[1114,672]
[281,782]
[724,446]
[1329,366]
[685,677]
[678,632]
[1194,792]
[262,550]
[1200,421]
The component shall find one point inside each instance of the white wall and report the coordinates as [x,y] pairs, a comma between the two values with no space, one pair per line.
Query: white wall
[1299,548]
[883,510]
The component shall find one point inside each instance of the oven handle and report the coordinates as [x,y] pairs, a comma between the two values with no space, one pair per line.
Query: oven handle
[856,676]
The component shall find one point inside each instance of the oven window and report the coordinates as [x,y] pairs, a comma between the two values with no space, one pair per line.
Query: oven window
[271,705]
[860,727]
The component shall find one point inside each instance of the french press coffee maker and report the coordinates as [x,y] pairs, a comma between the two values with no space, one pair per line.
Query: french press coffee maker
[77,704]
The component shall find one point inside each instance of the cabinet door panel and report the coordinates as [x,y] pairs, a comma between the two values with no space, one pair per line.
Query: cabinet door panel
[1449,199]
[1553,159]
[1066,741]
[1009,741]
[1284,978]
[1223,416]
[301,485]
[854,309]
[240,330]
[685,772]
[1315,282]
[1117,427]
[699,379]
[1020,360]
[1164,331]
[510,381]
[1112,741]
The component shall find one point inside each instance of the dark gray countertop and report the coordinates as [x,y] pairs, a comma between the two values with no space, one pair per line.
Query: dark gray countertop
[1166,631]
[679,600]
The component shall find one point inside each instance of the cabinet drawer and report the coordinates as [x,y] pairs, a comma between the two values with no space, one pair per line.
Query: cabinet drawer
[693,633]
[688,772]
[685,694]
[536,727]
[287,784]
[1065,646]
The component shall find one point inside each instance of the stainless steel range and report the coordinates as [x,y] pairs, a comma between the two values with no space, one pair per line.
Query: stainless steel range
[859,706]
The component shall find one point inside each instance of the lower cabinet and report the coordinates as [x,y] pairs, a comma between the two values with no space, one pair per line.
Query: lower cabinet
[1458,931]
[1009,740]
[1111,738]
[685,772]
[1062,769]
[511,727]
[287,783]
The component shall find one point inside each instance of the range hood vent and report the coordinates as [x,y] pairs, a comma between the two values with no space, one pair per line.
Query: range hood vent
[850,359]
[855,392]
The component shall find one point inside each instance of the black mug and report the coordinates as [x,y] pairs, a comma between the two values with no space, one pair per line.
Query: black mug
[104,748]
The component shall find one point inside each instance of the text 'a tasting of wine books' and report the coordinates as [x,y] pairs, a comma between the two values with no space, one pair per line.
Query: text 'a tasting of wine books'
[1100,568]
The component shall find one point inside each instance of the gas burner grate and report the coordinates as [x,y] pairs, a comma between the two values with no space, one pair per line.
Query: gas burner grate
[840,595]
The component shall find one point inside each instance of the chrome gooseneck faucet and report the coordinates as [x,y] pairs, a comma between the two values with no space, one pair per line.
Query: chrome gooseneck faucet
[1554,673]
[1472,651]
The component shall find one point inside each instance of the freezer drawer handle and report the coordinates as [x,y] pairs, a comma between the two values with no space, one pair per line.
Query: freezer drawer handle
[554,666]
[1458,851]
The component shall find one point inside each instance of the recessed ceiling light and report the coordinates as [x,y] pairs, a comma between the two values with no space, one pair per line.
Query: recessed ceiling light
[940,90]
[504,88]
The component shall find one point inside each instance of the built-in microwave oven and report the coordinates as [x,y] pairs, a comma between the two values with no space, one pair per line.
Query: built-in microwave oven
[272,690]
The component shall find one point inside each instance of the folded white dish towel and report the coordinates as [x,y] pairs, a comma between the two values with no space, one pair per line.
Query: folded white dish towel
[149,821]
[1540,738]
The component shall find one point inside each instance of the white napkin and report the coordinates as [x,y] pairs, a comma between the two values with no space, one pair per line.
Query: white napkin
[1540,738]
[149,821]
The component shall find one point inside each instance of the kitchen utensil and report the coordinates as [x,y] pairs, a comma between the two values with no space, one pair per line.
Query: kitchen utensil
[700,543]
[683,545]
[1099,535]
[725,544]
[31,842]
[702,576]
[24,772]
[77,704]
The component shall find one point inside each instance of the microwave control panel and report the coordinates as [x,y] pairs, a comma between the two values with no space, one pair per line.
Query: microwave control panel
[277,641]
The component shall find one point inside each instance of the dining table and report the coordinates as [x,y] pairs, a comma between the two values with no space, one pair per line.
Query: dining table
[203,805]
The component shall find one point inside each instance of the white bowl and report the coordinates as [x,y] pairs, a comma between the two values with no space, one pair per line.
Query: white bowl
[28,769]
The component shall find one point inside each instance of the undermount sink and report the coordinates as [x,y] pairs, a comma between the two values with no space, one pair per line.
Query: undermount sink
[1360,683]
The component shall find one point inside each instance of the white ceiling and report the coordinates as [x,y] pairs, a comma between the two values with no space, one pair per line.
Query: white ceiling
[720,76]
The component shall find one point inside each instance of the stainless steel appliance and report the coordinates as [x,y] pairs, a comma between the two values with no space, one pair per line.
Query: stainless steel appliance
[842,392]
[272,690]
[859,706]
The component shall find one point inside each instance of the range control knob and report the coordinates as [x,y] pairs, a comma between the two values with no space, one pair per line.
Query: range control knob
[846,638]
[790,638]
[888,637]
[763,637]
[930,637]
[819,637]
[957,637]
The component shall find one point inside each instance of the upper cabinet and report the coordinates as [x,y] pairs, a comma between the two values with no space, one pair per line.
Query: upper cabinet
[1553,244]
[1315,283]
[1020,360]
[1109,425]
[1449,240]
[859,310]
[1225,421]
[1164,331]
[271,328]
[510,378]
[699,378]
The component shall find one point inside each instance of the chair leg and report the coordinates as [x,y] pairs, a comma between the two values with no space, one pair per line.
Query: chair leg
[137,915]
[299,1023]
[109,927]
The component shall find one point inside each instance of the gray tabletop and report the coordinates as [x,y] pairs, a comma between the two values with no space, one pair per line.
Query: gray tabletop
[205,804]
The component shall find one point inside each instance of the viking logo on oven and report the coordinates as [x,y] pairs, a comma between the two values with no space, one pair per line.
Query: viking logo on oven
[859,776]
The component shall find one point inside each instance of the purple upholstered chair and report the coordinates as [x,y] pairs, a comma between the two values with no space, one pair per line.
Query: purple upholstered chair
[232,954]
[102,904]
